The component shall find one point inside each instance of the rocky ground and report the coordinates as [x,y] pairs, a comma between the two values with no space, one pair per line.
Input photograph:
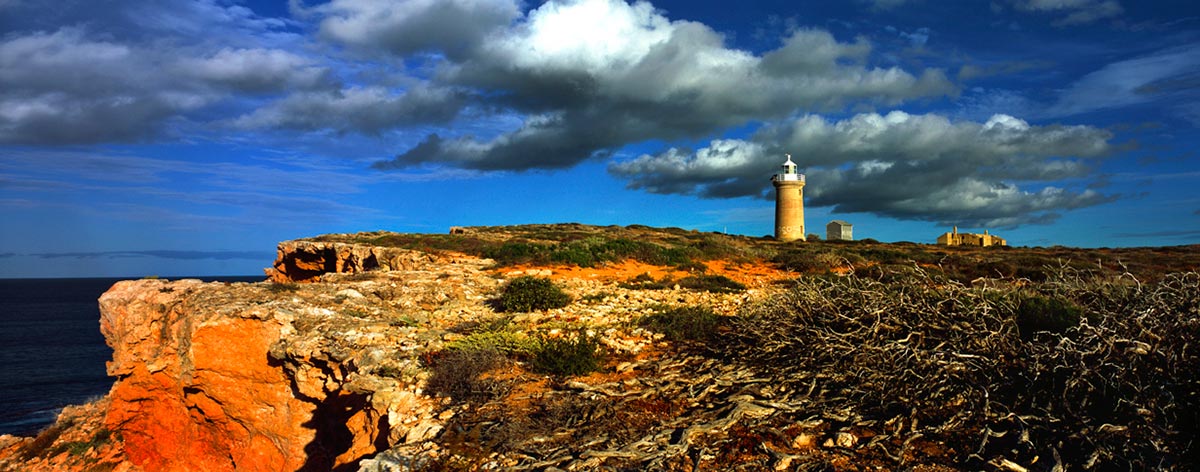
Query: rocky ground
[337,373]
[195,360]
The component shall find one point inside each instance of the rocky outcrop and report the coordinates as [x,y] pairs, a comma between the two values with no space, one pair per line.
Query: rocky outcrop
[306,261]
[329,375]
[213,376]
[194,386]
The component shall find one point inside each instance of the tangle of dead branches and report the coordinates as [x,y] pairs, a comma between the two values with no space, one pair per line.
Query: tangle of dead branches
[937,360]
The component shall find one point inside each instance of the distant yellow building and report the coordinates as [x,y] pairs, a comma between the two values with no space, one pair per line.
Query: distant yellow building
[955,238]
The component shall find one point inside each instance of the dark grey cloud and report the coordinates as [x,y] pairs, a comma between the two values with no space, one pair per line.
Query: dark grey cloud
[163,254]
[595,75]
[255,70]
[368,110]
[73,84]
[921,167]
[454,27]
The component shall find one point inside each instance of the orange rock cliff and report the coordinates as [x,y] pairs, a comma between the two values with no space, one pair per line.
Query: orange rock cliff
[255,377]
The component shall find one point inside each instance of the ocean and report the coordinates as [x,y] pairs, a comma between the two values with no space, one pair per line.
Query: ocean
[51,350]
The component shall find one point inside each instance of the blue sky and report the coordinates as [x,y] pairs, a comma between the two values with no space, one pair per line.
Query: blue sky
[189,137]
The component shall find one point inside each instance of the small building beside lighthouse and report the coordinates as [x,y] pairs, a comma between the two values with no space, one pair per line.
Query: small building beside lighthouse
[789,202]
[838,230]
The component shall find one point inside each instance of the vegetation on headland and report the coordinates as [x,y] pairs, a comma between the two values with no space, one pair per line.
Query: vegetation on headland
[971,357]
[869,356]
[590,246]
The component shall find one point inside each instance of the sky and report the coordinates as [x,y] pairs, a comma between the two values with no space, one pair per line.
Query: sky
[178,138]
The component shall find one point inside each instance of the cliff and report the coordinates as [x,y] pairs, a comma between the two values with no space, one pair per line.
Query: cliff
[266,376]
[307,260]
[314,376]
[394,358]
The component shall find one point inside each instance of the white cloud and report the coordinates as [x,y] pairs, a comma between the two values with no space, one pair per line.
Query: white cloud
[1171,75]
[600,74]
[596,37]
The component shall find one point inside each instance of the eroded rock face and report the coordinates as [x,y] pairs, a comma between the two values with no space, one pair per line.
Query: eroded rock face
[195,388]
[306,261]
[244,377]
[281,377]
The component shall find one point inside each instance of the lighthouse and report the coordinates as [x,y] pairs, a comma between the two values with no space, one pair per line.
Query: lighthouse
[789,202]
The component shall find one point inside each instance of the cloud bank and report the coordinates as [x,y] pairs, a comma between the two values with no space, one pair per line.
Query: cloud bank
[917,167]
[66,87]
[594,75]
[569,81]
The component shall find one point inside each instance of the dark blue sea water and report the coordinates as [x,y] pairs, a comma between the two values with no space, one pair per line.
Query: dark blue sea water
[51,350]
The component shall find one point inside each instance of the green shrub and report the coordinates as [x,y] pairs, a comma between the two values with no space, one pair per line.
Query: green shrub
[672,256]
[516,252]
[597,297]
[531,293]
[711,283]
[647,282]
[99,438]
[577,254]
[1037,313]
[508,343]
[685,323]
[578,354]
[693,266]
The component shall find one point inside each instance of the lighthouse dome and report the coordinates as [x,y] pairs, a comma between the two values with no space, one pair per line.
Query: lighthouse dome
[789,167]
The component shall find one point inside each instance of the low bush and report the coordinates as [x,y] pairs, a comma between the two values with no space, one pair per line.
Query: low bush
[459,374]
[711,283]
[577,354]
[806,261]
[517,252]
[508,343]
[647,282]
[528,293]
[597,297]
[684,323]
[1037,313]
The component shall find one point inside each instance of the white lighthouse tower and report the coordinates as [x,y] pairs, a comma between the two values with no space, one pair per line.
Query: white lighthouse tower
[789,202]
